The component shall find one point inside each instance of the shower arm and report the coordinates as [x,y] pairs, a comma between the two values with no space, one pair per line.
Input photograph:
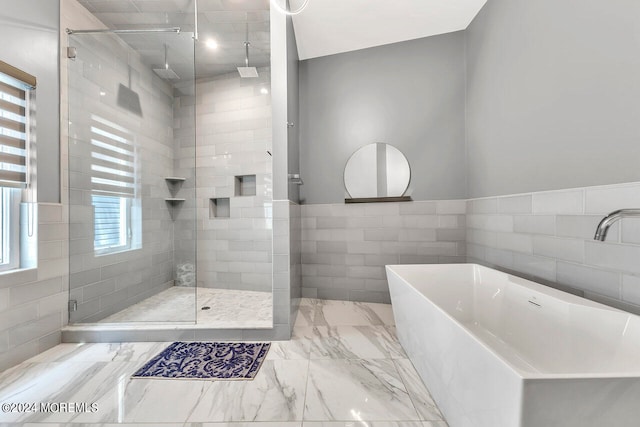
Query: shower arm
[246,43]
[130,31]
[166,63]
[195,20]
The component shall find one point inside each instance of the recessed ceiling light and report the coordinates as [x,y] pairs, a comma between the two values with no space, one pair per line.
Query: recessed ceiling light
[211,44]
[264,91]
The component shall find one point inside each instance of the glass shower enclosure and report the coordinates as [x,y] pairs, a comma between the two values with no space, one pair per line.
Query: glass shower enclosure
[131,189]
[170,168]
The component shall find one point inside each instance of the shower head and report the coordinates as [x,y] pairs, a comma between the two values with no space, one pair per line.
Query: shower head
[248,72]
[166,72]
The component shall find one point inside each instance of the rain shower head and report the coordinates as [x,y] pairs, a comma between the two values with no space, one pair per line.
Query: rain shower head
[248,72]
[166,72]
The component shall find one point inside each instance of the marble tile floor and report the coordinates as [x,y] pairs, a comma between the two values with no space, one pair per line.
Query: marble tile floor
[344,367]
[228,308]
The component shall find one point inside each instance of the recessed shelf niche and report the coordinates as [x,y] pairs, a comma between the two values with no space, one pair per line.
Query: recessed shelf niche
[219,208]
[245,185]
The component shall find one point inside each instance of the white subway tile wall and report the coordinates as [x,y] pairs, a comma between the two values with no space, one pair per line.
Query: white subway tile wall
[233,135]
[346,246]
[105,284]
[552,239]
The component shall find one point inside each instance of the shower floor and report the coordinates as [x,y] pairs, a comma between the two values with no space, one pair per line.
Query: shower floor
[227,308]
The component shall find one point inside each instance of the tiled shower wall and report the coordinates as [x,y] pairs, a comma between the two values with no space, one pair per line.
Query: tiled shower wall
[549,236]
[233,132]
[346,246]
[103,285]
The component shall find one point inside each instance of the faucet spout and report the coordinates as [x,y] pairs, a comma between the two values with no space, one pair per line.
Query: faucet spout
[609,220]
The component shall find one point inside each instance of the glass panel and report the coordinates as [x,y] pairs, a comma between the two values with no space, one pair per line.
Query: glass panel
[135,217]
[234,165]
[131,189]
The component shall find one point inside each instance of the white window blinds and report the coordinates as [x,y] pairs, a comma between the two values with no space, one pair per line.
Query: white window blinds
[14,124]
[113,184]
[112,159]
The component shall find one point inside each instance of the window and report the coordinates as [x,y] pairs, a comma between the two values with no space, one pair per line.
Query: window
[112,231]
[16,177]
[113,188]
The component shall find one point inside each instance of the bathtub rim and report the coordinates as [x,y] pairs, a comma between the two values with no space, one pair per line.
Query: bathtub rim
[538,287]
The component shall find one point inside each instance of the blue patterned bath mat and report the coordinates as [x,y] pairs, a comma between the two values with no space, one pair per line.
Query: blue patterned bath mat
[206,361]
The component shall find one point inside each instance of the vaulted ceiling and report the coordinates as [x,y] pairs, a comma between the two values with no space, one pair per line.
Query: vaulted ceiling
[326,27]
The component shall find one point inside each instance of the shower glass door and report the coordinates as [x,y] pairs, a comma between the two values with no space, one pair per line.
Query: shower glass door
[131,178]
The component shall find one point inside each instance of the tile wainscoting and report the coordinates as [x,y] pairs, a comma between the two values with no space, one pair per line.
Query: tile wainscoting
[33,302]
[346,246]
[548,236]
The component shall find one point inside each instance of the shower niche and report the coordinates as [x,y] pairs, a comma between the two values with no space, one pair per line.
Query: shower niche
[164,217]
[245,185]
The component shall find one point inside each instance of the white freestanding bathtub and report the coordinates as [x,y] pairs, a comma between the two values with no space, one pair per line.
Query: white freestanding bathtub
[496,350]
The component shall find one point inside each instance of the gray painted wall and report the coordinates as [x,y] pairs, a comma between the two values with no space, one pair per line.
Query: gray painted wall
[408,94]
[553,98]
[32,28]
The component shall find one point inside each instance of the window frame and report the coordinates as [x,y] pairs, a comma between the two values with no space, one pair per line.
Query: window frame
[13,189]
[10,223]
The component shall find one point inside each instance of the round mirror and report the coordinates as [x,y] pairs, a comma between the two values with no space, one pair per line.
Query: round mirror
[377,170]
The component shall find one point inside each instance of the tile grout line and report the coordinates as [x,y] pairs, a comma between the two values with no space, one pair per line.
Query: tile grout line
[404,383]
[306,383]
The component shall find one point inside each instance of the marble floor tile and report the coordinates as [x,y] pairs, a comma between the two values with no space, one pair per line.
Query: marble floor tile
[228,308]
[159,400]
[296,348]
[98,425]
[306,315]
[101,352]
[275,394]
[333,313]
[175,304]
[350,342]
[356,390]
[420,396]
[343,367]
[65,382]
[364,423]
[248,424]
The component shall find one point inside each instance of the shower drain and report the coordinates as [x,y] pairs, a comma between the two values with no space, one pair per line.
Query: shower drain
[206,307]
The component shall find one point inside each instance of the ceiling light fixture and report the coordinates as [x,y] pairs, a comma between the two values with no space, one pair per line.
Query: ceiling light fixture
[212,44]
[264,91]
[289,12]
